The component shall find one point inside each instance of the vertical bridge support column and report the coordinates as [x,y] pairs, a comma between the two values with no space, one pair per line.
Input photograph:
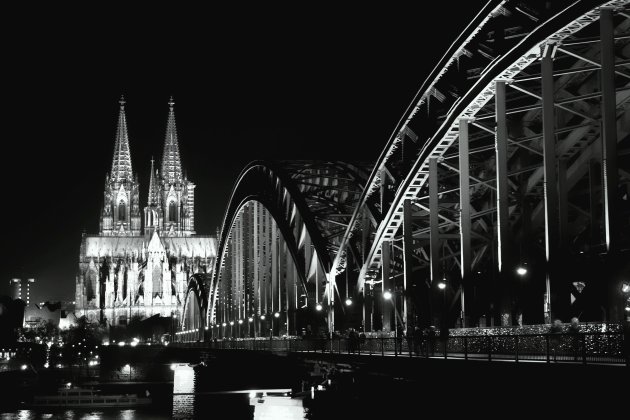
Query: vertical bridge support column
[386,284]
[408,258]
[609,125]
[464,214]
[503,228]
[550,186]
[609,159]
[434,233]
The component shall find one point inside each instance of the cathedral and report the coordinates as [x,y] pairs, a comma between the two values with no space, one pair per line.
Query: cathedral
[132,269]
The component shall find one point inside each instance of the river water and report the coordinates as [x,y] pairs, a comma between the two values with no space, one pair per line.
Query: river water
[185,402]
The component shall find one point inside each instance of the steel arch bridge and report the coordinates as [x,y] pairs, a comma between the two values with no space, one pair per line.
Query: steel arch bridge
[504,183]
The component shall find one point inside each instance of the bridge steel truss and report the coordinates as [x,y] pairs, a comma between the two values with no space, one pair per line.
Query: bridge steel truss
[510,155]
[502,155]
[280,234]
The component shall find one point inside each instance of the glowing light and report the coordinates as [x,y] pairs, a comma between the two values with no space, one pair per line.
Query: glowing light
[173,366]
[133,343]
[231,323]
[318,307]
[127,366]
[250,319]
[106,343]
[348,302]
[262,317]
[625,288]
[136,339]
[46,365]
[387,295]
[521,271]
[206,328]
[277,314]
[224,324]
[23,367]
[442,285]
[252,394]
[240,321]
[628,308]
[121,344]
[69,384]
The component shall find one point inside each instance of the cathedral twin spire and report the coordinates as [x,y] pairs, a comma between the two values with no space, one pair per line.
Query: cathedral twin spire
[121,164]
[171,162]
[170,204]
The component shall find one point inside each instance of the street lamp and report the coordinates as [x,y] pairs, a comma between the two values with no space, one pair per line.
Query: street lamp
[387,295]
[277,314]
[318,307]
[521,271]
[348,301]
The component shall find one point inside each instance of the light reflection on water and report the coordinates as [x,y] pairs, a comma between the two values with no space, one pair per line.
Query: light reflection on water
[81,414]
[188,403]
[239,404]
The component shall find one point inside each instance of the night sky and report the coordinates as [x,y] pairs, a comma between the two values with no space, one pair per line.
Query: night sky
[283,84]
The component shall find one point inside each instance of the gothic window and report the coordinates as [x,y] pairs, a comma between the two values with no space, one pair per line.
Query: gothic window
[122,211]
[172,212]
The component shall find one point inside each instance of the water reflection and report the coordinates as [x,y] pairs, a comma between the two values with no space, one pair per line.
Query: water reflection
[188,402]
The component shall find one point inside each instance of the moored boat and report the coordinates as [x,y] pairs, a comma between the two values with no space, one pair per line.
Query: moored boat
[81,397]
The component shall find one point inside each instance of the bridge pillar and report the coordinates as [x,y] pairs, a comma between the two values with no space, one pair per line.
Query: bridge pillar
[434,236]
[464,215]
[386,285]
[609,162]
[408,261]
[503,217]
[609,126]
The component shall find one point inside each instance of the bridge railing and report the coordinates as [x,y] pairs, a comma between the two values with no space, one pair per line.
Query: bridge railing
[593,347]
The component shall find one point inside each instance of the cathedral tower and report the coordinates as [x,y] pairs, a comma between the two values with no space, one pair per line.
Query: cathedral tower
[120,215]
[171,200]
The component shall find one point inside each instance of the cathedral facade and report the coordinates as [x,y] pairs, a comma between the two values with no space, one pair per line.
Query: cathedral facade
[133,269]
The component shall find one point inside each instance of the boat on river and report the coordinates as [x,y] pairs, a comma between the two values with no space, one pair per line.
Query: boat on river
[82,397]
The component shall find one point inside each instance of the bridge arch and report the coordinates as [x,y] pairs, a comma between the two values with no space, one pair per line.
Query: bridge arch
[455,189]
[193,319]
[276,246]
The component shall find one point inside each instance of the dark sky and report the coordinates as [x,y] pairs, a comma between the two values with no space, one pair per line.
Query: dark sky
[248,84]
